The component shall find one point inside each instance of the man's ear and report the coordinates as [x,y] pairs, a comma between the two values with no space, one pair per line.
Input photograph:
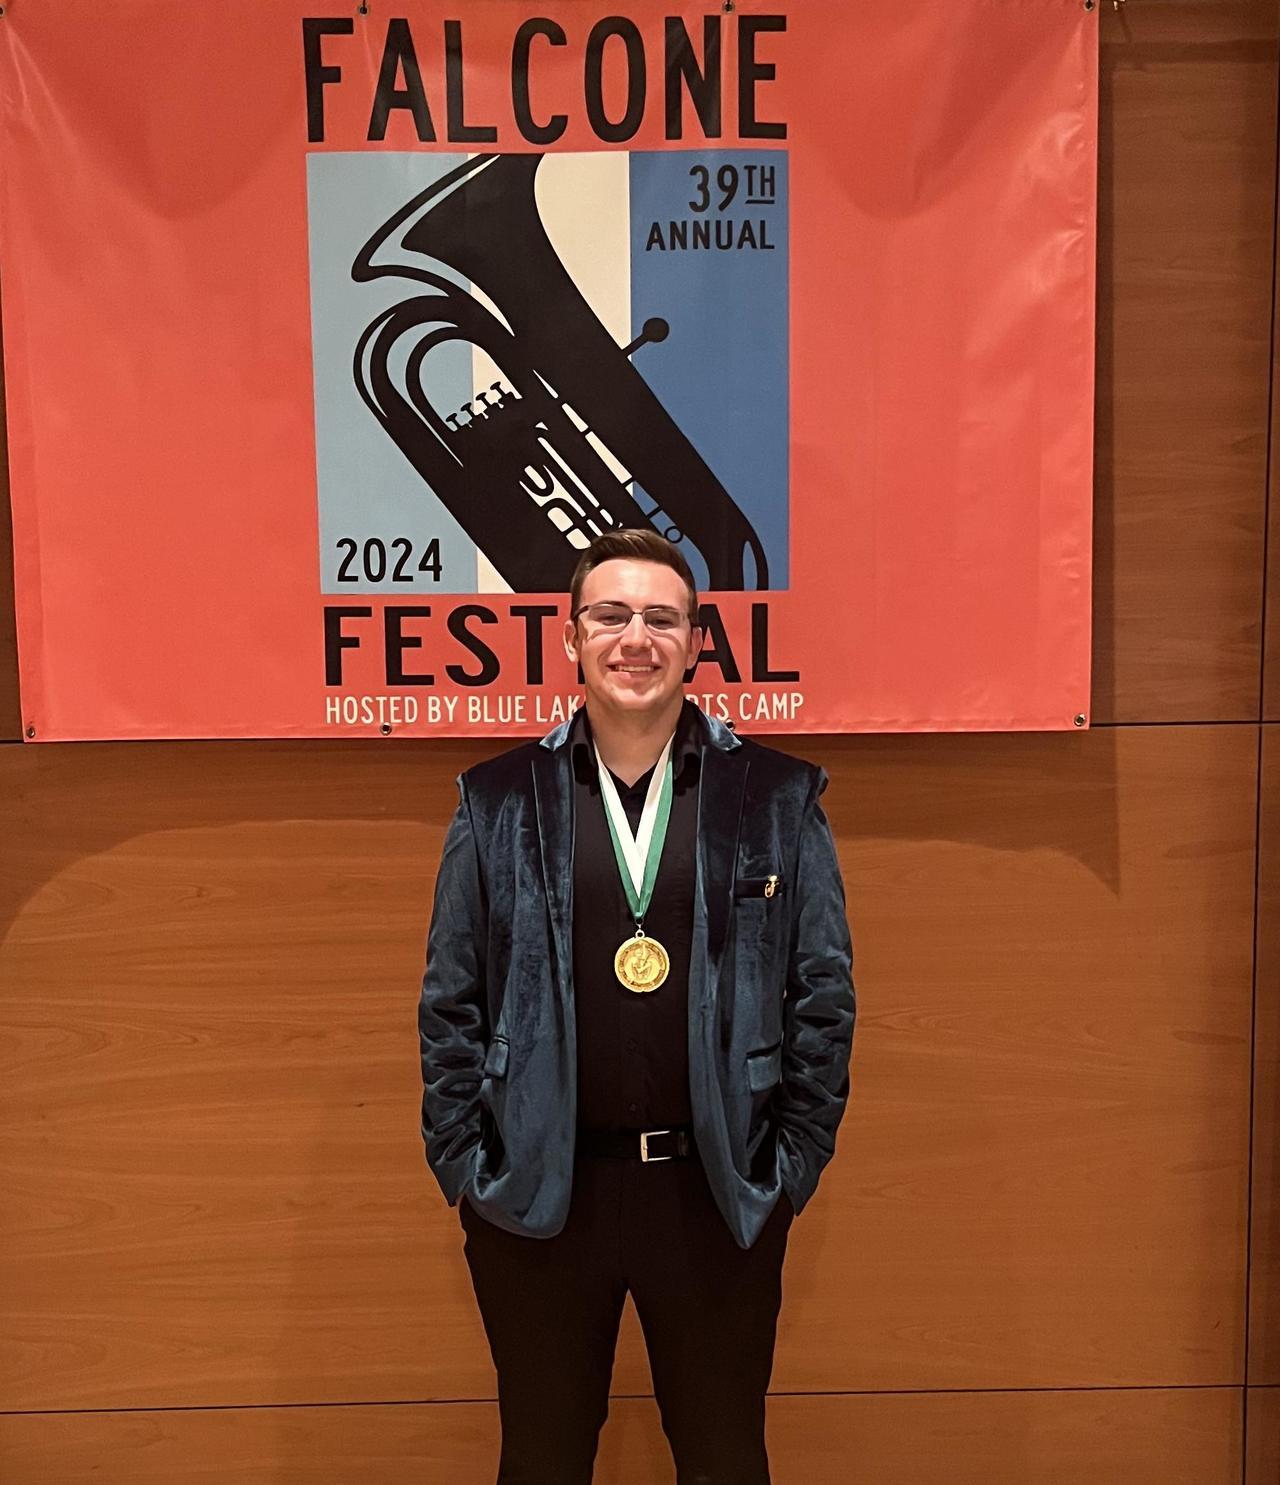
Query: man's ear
[695,649]
[570,637]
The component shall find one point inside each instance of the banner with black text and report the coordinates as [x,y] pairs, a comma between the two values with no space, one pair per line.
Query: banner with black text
[333,336]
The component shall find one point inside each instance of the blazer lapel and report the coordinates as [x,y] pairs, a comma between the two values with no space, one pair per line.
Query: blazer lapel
[720,796]
[553,798]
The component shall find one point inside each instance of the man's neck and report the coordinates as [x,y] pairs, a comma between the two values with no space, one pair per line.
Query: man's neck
[628,743]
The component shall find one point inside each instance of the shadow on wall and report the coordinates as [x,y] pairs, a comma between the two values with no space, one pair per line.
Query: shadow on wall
[70,801]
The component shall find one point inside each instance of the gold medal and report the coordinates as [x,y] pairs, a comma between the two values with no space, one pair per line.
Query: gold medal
[641,964]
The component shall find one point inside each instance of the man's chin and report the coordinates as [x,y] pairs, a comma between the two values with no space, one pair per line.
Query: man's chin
[644,695]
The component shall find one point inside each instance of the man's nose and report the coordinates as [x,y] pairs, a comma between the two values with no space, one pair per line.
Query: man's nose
[635,634]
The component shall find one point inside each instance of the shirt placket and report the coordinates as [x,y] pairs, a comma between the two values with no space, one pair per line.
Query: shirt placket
[631,1012]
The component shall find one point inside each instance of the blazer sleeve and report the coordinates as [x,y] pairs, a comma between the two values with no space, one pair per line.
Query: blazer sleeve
[819,1010]
[452,1010]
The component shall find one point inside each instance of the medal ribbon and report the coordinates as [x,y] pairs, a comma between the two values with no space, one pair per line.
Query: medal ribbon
[638,856]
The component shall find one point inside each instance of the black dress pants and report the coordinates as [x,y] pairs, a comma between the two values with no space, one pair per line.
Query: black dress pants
[551,1309]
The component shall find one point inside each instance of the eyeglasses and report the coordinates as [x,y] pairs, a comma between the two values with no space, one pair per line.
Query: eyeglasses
[613,618]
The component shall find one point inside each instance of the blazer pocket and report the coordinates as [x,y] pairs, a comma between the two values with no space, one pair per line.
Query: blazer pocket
[770,887]
[764,1069]
[495,1060]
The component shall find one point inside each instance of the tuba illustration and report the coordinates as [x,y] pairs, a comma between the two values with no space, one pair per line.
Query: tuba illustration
[569,436]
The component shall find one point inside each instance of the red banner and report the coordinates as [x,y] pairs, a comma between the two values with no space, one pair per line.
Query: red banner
[332,337]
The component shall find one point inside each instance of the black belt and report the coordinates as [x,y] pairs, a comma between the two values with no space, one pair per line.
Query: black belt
[648,1145]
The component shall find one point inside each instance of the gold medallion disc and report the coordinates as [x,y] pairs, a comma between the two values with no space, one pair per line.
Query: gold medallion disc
[641,964]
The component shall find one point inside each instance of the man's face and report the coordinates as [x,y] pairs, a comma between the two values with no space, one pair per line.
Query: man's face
[633,668]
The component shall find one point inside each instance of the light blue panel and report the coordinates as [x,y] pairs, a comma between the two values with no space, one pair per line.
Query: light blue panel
[366,488]
[724,372]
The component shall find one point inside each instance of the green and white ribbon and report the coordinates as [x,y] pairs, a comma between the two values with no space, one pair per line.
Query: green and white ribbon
[638,856]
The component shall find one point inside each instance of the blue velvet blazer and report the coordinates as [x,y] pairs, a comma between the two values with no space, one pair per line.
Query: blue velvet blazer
[771,999]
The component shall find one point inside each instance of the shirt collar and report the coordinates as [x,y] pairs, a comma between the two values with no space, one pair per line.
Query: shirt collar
[686,750]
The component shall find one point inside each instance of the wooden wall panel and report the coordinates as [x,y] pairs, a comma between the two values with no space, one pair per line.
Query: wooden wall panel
[1047,1159]
[1146,1437]
[1271,651]
[1264,1286]
[1271,635]
[1262,1436]
[1186,205]
[214,1188]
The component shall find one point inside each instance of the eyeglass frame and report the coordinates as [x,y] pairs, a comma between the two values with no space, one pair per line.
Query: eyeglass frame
[669,608]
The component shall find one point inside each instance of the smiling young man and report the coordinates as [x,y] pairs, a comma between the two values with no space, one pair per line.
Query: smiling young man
[635,1029]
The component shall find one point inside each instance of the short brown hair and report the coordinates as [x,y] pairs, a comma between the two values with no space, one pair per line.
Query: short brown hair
[638,544]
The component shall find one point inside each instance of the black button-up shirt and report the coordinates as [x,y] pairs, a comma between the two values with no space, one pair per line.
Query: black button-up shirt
[633,1050]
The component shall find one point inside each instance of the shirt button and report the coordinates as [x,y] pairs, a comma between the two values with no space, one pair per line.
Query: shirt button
[633,1045]
[633,1108]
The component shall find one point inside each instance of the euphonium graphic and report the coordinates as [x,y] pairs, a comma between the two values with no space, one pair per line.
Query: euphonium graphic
[547,458]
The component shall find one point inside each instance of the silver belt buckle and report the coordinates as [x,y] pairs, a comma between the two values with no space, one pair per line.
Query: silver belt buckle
[645,1157]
